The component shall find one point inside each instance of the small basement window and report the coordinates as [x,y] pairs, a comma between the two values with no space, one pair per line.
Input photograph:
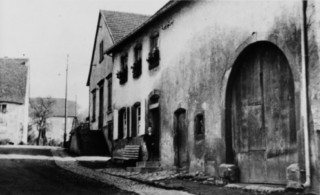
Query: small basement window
[3,108]
[199,128]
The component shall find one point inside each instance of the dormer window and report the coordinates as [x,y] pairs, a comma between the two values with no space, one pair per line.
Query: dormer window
[137,65]
[154,53]
[122,75]
[101,51]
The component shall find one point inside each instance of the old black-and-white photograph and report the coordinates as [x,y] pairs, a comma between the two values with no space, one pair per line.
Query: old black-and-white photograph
[210,97]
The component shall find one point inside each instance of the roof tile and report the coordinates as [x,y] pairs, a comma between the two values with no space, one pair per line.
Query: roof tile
[121,23]
[13,80]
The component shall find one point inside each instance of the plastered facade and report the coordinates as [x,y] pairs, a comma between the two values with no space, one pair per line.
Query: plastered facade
[99,72]
[199,43]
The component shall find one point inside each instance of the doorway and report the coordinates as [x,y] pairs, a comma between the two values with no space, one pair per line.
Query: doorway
[261,115]
[154,122]
[181,139]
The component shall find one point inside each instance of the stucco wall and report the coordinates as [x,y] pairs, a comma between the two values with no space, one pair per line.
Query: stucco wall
[196,71]
[313,23]
[56,128]
[13,123]
[100,70]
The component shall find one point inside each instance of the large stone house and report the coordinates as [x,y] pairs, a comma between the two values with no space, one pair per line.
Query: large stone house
[111,27]
[224,82]
[14,96]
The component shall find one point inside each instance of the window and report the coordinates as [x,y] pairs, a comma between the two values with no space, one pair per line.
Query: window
[137,65]
[154,54]
[93,105]
[101,98]
[3,108]
[101,51]
[122,75]
[109,78]
[199,129]
[136,119]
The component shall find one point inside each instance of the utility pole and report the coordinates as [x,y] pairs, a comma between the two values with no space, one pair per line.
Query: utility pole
[66,107]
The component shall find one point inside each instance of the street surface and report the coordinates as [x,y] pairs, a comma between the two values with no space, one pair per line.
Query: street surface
[38,174]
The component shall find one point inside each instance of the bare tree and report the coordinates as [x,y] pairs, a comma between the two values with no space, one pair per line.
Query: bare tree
[41,108]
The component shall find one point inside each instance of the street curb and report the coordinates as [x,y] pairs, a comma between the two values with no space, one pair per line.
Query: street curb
[152,183]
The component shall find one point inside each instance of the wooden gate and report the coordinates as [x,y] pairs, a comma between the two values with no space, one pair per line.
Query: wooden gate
[262,115]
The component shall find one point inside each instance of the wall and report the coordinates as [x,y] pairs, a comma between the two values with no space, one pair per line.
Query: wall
[56,128]
[198,48]
[313,21]
[100,70]
[13,126]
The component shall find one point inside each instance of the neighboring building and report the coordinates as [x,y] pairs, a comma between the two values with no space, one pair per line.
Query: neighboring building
[56,120]
[223,82]
[111,27]
[14,95]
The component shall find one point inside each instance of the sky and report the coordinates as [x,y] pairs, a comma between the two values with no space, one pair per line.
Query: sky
[46,31]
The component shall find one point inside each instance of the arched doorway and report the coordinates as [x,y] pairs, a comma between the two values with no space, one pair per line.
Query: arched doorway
[260,126]
[181,139]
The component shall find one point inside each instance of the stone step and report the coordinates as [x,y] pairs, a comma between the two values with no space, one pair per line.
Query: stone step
[148,164]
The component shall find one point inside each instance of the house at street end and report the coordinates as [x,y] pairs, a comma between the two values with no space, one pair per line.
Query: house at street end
[111,27]
[14,96]
[56,120]
[227,87]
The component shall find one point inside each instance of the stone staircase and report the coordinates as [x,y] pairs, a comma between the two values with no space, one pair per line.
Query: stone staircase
[145,167]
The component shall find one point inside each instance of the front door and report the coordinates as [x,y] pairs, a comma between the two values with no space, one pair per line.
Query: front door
[262,116]
[181,139]
[155,122]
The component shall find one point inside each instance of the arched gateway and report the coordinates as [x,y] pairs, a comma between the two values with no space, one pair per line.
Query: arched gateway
[260,126]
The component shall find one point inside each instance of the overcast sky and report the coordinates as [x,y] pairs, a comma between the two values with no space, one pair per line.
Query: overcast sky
[45,31]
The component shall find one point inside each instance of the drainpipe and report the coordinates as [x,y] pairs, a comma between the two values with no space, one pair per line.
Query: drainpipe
[304,93]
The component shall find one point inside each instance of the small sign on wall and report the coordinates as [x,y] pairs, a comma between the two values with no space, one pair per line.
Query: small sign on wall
[166,25]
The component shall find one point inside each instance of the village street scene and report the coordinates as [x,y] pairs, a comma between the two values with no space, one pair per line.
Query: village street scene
[210,97]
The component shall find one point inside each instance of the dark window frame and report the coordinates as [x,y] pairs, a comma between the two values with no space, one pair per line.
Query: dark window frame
[154,52]
[3,108]
[136,120]
[122,74]
[121,128]
[109,103]
[101,51]
[101,103]
[94,102]
[137,65]
[199,126]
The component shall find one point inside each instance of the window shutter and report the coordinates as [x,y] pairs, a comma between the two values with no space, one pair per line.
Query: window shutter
[115,124]
[133,121]
[143,117]
[128,122]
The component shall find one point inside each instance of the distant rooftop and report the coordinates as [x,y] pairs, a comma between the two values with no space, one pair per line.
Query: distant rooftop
[13,80]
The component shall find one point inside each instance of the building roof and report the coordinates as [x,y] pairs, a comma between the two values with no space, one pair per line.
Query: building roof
[13,80]
[58,108]
[119,24]
[162,11]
